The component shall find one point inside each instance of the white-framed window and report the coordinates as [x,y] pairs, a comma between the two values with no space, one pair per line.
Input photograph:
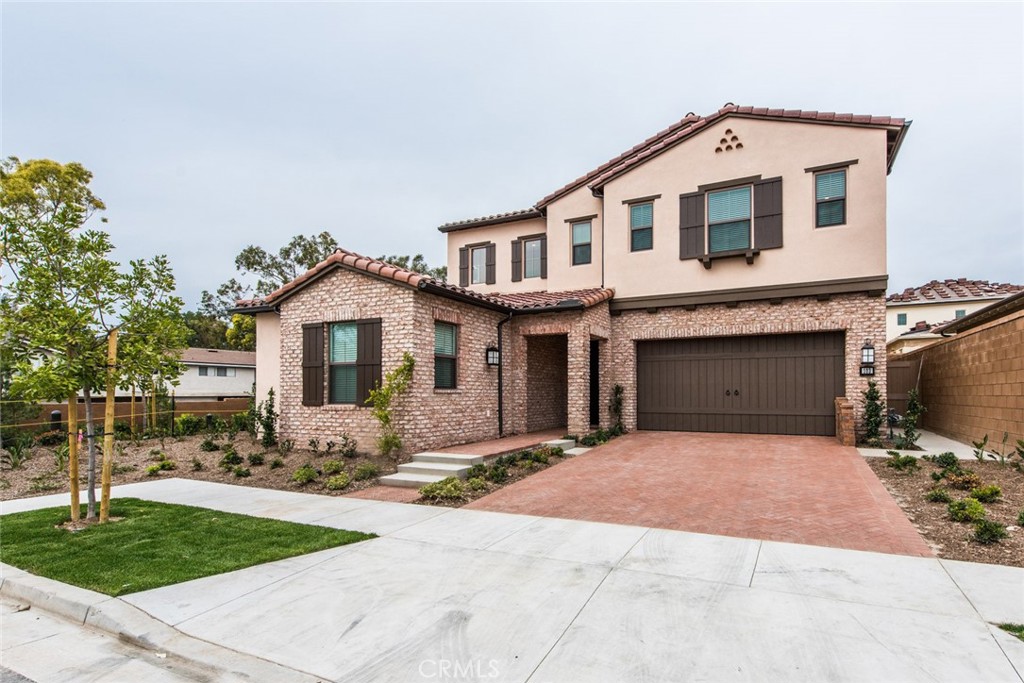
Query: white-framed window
[478,265]
[532,257]
[204,371]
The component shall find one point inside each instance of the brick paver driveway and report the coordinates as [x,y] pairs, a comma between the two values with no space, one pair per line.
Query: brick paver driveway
[801,489]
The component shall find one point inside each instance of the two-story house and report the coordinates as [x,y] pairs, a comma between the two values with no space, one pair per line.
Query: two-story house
[728,273]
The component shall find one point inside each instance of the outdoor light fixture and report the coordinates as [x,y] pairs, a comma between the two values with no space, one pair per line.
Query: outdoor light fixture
[867,359]
[493,357]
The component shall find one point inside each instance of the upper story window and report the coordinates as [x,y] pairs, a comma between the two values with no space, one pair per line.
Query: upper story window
[208,371]
[641,226]
[478,262]
[446,338]
[581,242]
[729,220]
[830,198]
[901,318]
[531,257]
[961,312]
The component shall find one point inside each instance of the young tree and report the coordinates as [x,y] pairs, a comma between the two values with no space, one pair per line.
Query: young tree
[242,333]
[417,264]
[205,331]
[66,295]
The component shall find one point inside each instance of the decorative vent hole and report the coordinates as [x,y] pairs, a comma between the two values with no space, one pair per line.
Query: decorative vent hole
[739,145]
[723,141]
[728,131]
[730,142]
[718,150]
[728,148]
[733,138]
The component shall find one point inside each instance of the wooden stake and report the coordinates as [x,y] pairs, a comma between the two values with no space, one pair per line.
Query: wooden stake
[108,427]
[132,419]
[152,408]
[76,506]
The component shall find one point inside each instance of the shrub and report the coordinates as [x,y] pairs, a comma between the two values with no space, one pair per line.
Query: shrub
[209,445]
[188,424]
[979,448]
[167,465]
[61,454]
[346,446]
[266,418]
[304,475]
[476,484]
[901,463]
[448,489]
[366,470]
[986,494]
[333,466]
[242,422]
[987,531]
[497,474]
[157,455]
[570,437]
[938,495]
[230,460]
[256,459]
[544,453]
[874,412]
[197,464]
[966,510]
[152,470]
[241,471]
[506,460]
[947,461]
[964,480]
[913,413]
[314,445]
[285,446]
[51,438]
[396,382]
[588,441]
[1020,518]
[615,408]
[276,463]
[602,436]
[476,471]
[16,450]
[122,430]
[337,482]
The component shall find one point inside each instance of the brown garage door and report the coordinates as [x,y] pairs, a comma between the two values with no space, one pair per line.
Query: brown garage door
[773,384]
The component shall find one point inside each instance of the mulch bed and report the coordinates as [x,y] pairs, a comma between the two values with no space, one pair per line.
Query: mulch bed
[521,470]
[954,540]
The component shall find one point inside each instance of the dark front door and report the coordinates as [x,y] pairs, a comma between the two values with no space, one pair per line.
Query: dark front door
[770,384]
[595,382]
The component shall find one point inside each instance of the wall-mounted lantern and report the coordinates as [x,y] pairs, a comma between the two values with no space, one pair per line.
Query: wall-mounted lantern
[867,359]
[493,357]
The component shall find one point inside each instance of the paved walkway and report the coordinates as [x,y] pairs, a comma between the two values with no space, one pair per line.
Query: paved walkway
[930,444]
[798,489]
[505,444]
[522,598]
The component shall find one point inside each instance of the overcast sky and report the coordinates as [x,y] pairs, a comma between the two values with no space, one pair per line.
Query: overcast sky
[210,126]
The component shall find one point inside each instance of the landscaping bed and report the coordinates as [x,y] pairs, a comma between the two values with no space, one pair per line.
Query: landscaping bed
[911,488]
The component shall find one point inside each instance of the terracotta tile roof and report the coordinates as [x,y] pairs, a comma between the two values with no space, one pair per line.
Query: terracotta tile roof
[692,124]
[494,219]
[954,290]
[358,262]
[219,357]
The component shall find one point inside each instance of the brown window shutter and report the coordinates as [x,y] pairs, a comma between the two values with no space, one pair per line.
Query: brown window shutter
[368,375]
[691,225]
[313,364]
[517,260]
[768,214]
[491,258]
[464,267]
[544,257]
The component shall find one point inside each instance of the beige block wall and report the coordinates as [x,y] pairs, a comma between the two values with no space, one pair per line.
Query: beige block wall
[859,316]
[973,384]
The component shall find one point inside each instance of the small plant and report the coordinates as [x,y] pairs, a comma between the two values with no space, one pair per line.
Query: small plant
[979,448]
[366,470]
[333,466]
[276,463]
[16,451]
[152,470]
[966,510]
[497,474]
[167,465]
[602,435]
[615,408]
[505,460]
[915,409]
[285,446]
[188,424]
[1020,518]
[241,472]
[478,470]
[347,446]
[314,445]
[938,495]
[256,459]
[964,480]
[209,445]
[588,441]
[986,494]
[231,430]
[61,454]
[266,418]
[242,422]
[1013,629]
[330,447]
[1000,455]
[337,482]
[901,463]
[50,438]
[874,413]
[987,531]
[946,461]
[197,464]
[449,489]
[476,484]
[570,437]
[304,475]
[230,460]
[540,456]
[118,468]
[396,382]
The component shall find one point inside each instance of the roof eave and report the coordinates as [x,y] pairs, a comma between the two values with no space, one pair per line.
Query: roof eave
[530,214]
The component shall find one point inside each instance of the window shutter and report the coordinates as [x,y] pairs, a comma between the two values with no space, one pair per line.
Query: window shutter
[544,257]
[313,364]
[517,260]
[768,214]
[490,265]
[691,225]
[464,267]
[367,359]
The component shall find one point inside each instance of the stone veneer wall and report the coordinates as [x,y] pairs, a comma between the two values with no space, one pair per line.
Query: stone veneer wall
[859,315]
[547,358]
[426,417]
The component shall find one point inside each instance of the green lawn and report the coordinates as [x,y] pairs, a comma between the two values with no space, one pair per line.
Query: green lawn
[156,544]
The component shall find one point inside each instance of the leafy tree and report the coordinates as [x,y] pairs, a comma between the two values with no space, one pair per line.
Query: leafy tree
[242,333]
[874,413]
[205,331]
[417,264]
[66,295]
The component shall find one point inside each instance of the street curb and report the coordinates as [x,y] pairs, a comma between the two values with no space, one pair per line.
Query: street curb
[130,624]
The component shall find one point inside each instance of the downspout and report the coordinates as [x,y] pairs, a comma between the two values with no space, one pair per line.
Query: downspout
[501,382]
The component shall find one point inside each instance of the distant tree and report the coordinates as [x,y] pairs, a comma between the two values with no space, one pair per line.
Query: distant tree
[242,333]
[205,331]
[417,264]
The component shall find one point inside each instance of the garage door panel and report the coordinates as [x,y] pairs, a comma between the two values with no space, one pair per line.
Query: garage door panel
[786,384]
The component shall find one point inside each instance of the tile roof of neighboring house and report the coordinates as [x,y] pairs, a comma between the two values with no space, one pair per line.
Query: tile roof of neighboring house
[219,357]
[505,302]
[495,219]
[692,124]
[954,290]
[993,311]
[924,326]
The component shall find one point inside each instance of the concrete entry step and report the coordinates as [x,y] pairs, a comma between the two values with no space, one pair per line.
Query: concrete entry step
[455,458]
[579,450]
[442,469]
[410,481]
[564,444]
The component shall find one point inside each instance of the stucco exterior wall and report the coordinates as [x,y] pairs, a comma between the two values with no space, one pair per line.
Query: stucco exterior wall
[268,355]
[501,235]
[932,313]
[859,316]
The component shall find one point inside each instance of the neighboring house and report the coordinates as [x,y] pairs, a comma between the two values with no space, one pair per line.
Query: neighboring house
[936,302]
[729,273]
[212,374]
[920,335]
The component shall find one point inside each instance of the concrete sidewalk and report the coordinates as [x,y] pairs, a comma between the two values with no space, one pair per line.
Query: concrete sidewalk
[455,594]
[930,444]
